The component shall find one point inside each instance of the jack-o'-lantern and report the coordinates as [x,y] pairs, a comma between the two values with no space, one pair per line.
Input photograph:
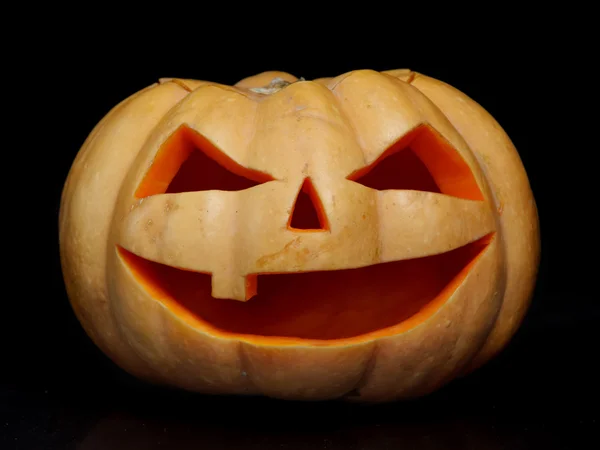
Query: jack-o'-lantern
[366,237]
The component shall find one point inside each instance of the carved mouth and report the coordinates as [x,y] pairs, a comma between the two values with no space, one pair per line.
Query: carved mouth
[316,305]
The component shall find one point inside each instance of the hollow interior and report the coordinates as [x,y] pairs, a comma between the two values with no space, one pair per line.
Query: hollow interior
[399,170]
[199,172]
[324,305]
[188,162]
[421,160]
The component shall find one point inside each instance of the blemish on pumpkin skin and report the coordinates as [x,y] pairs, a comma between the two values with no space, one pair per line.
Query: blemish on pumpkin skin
[170,206]
[266,259]
[181,84]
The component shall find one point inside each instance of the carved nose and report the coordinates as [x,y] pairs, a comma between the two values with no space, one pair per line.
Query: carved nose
[308,213]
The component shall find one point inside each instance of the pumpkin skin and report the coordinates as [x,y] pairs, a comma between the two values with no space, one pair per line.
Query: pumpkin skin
[403,282]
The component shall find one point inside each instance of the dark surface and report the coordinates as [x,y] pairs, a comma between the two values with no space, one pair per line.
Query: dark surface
[58,392]
[536,395]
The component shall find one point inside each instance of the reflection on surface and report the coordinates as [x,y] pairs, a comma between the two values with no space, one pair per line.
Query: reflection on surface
[150,419]
[254,423]
[121,432]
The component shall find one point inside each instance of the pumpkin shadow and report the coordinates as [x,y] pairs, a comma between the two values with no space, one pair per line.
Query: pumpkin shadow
[250,423]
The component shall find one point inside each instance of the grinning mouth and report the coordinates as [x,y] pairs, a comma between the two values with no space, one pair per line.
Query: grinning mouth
[325,305]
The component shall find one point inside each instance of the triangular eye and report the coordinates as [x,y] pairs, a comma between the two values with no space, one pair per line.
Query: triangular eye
[423,161]
[401,169]
[188,162]
[308,212]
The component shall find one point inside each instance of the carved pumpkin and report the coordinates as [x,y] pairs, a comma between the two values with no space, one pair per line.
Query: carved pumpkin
[370,236]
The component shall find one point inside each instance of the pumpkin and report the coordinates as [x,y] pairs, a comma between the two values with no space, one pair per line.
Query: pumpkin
[368,237]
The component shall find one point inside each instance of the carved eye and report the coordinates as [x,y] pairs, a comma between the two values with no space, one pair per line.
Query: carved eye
[422,160]
[188,162]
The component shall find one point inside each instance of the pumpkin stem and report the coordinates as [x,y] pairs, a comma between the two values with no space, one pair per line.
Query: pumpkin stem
[275,85]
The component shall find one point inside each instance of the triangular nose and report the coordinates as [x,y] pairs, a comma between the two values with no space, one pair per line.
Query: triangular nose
[308,212]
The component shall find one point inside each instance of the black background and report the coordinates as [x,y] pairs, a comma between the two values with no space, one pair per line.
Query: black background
[59,391]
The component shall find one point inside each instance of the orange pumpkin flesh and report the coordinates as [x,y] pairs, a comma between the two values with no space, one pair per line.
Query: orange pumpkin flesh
[368,234]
